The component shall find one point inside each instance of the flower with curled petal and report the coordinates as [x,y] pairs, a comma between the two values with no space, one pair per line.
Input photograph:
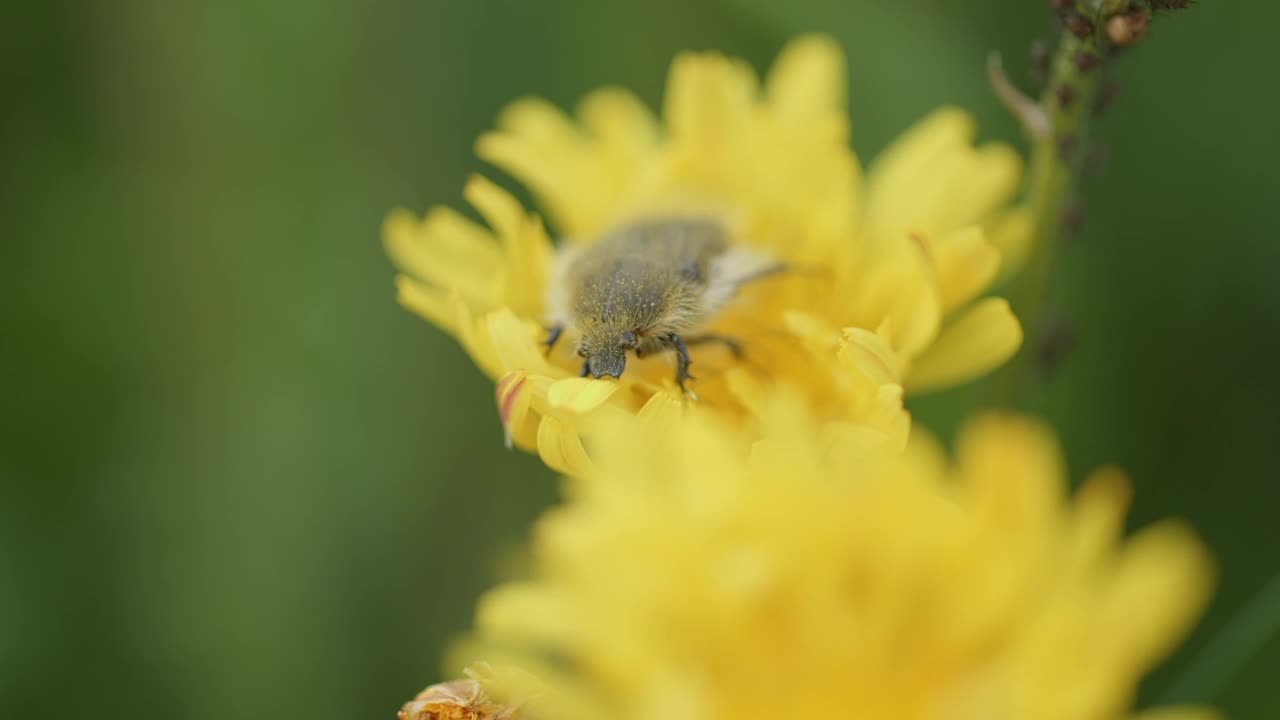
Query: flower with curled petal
[884,269]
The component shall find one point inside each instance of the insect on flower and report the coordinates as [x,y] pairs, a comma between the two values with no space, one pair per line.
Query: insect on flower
[649,287]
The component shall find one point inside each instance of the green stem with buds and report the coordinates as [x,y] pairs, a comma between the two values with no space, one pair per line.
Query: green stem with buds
[1056,162]
[1059,127]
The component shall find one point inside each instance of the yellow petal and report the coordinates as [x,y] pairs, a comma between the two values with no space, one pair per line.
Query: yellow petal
[524,611]
[514,342]
[662,409]
[540,123]
[475,338]
[1162,582]
[807,81]
[900,294]
[523,281]
[747,390]
[580,395]
[871,355]
[925,448]
[496,205]
[973,344]
[1097,518]
[539,145]
[810,328]
[1013,468]
[521,687]
[445,250]
[897,173]
[898,420]
[933,180]
[844,439]
[430,302]
[966,265]
[560,447]
[622,123]
[707,95]
[987,179]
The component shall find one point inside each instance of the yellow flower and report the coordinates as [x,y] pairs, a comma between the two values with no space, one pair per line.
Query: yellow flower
[883,270]
[687,579]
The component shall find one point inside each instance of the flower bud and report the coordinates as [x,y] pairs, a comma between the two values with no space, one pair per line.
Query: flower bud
[1128,28]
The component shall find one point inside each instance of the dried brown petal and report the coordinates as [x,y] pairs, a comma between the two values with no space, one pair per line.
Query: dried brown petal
[455,700]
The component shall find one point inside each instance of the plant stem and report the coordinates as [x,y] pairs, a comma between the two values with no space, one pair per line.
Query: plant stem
[1055,165]
[1057,159]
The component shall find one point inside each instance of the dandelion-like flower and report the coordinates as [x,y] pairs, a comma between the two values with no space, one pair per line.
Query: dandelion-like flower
[687,579]
[882,272]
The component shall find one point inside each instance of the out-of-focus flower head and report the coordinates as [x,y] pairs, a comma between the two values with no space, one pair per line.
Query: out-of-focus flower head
[883,268]
[686,578]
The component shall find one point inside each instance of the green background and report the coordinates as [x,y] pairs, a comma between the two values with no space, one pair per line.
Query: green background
[237,480]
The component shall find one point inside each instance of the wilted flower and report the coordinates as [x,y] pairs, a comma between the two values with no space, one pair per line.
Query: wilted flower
[461,700]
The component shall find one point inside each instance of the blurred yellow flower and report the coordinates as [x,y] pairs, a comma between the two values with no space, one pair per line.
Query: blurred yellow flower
[883,269]
[685,579]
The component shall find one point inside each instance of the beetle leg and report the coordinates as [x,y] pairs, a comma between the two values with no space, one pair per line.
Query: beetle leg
[553,334]
[682,360]
[586,369]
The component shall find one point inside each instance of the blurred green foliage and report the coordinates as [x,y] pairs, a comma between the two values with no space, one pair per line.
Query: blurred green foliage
[236,480]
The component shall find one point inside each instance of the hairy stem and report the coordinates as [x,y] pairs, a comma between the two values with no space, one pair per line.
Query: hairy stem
[1058,153]
[1056,160]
